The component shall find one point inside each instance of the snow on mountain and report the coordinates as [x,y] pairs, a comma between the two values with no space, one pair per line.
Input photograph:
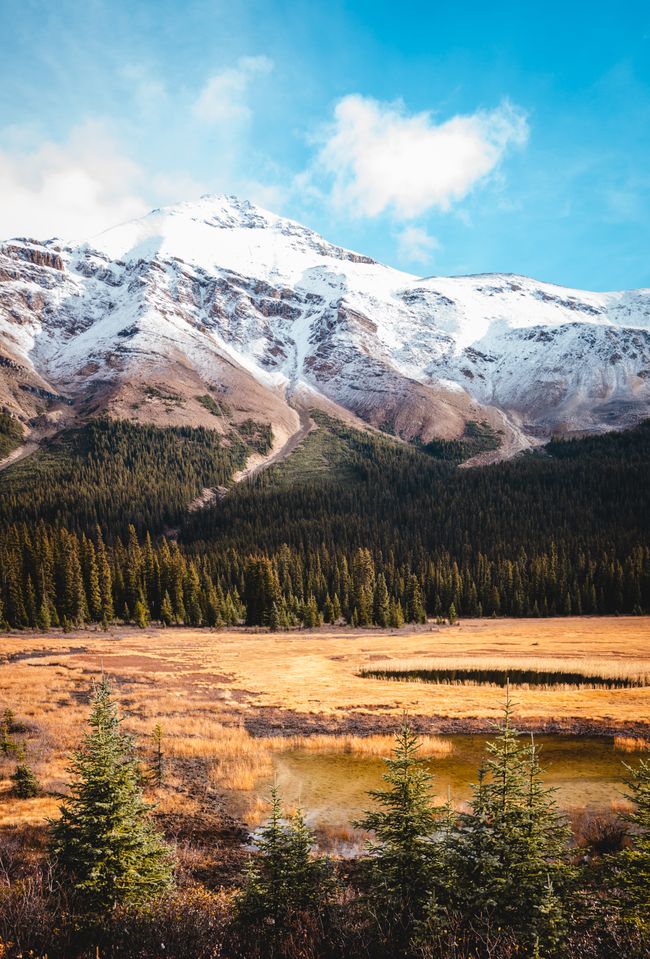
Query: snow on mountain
[221,295]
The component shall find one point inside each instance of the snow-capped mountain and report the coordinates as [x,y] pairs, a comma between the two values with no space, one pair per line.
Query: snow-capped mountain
[220,298]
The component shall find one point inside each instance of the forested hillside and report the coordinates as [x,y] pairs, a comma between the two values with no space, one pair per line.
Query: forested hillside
[353,525]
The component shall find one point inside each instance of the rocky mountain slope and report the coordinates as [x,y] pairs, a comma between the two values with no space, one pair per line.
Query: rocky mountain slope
[216,311]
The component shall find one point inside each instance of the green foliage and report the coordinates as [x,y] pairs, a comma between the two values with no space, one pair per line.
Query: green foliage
[256,436]
[262,592]
[11,434]
[117,473]
[284,879]
[632,865]
[403,862]
[508,855]
[210,404]
[541,528]
[477,438]
[367,518]
[26,785]
[104,842]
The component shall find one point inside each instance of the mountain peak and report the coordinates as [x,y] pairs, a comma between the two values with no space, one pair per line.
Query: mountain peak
[222,210]
[222,230]
[219,291]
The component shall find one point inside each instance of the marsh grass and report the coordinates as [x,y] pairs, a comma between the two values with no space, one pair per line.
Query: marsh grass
[631,744]
[546,674]
[204,689]
[375,745]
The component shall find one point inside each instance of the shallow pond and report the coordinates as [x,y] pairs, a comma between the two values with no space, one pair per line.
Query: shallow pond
[332,787]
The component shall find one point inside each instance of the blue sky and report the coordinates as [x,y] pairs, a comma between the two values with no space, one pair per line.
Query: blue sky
[441,138]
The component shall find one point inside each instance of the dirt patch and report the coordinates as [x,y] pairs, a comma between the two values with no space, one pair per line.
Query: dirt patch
[278,722]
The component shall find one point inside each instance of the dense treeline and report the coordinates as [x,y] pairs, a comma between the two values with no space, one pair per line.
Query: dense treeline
[500,878]
[384,534]
[11,433]
[117,474]
[50,576]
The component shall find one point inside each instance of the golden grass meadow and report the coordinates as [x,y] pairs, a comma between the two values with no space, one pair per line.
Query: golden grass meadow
[226,700]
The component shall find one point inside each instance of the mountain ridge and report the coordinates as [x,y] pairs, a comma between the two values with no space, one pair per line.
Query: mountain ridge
[219,296]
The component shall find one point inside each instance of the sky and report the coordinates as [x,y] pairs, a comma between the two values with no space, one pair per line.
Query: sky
[440,138]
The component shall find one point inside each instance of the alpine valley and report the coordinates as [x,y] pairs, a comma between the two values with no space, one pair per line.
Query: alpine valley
[147,372]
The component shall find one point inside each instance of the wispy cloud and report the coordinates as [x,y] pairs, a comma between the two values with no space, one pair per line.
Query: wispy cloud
[380,158]
[415,245]
[70,189]
[224,98]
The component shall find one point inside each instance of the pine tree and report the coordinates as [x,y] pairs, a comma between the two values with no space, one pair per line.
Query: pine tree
[632,865]
[328,610]
[284,879]
[509,852]
[311,617]
[44,619]
[381,605]
[194,616]
[104,842]
[452,615]
[105,579]
[336,608]
[415,612]
[166,612]
[141,613]
[274,618]
[26,785]
[262,591]
[402,862]
[396,619]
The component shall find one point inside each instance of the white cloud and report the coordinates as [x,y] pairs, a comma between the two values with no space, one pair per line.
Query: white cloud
[223,99]
[381,158]
[415,245]
[72,189]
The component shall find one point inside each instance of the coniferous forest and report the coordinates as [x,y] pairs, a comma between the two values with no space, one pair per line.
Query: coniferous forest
[353,527]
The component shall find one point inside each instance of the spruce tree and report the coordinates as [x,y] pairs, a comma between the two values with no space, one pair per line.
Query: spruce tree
[274,618]
[284,879]
[381,606]
[44,619]
[402,863]
[632,865]
[415,612]
[26,785]
[396,619]
[166,613]
[141,613]
[104,842]
[509,852]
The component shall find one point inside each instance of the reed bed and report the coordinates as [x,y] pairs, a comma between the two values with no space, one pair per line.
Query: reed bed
[543,673]
[377,745]
[631,744]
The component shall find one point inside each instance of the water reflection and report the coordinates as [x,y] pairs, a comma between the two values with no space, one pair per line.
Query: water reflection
[332,787]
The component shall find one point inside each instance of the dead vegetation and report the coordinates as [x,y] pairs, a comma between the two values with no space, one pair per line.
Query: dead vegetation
[227,701]
[631,744]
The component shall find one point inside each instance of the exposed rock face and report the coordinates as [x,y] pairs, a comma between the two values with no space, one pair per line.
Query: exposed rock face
[220,295]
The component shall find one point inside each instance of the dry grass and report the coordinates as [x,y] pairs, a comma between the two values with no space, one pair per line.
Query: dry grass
[208,689]
[376,745]
[631,744]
